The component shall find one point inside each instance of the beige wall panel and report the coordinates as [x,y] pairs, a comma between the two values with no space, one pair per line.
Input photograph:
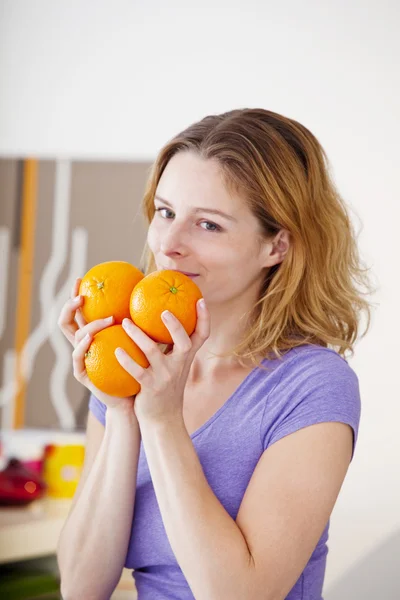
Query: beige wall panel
[10,180]
[104,200]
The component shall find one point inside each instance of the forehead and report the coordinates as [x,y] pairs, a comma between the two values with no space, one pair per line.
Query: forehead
[190,180]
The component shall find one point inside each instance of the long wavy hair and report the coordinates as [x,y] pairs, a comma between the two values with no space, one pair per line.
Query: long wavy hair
[316,295]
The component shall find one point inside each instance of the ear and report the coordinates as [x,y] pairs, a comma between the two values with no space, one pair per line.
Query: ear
[276,250]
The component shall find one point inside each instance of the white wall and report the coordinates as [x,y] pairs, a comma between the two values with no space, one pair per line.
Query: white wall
[116,80]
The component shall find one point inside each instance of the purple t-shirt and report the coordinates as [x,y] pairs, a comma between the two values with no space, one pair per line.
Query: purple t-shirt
[310,384]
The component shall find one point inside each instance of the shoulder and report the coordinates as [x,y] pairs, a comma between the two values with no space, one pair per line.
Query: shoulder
[315,385]
[304,369]
[316,364]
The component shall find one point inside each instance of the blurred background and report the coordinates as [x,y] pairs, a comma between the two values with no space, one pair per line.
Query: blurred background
[89,93]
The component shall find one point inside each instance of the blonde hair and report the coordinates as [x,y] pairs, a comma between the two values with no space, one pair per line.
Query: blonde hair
[315,295]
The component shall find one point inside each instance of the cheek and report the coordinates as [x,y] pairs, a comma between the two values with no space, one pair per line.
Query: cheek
[237,252]
[236,259]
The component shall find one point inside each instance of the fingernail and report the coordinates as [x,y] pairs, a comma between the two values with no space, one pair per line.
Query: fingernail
[76,299]
[119,352]
[109,319]
[125,323]
[202,303]
[166,315]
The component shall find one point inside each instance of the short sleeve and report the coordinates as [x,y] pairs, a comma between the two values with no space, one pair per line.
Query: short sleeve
[316,386]
[98,409]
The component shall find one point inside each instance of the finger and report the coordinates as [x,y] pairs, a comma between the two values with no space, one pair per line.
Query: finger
[203,326]
[78,315]
[92,328]
[75,288]
[66,320]
[78,357]
[181,340]
[147,345]
[80,319]
[139,373]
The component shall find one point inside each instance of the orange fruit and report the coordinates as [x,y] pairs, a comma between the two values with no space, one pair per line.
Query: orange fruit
[103,368]
[164,290]
[107,288]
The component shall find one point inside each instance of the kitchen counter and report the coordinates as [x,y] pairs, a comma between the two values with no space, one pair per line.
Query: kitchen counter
[32,531]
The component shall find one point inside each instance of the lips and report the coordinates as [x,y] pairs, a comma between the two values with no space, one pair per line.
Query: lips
[186,273]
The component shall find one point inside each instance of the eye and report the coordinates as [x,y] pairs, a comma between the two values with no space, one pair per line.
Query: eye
[160,209]
[216,228]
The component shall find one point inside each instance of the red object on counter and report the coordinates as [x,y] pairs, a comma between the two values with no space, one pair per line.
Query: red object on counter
[18,485]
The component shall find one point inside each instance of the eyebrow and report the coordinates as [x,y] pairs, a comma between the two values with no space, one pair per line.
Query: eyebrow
[212,211]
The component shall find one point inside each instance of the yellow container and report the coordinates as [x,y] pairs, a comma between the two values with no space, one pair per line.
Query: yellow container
[62,469]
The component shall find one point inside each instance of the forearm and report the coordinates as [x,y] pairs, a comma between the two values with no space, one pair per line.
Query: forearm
[94,541]
[209,546]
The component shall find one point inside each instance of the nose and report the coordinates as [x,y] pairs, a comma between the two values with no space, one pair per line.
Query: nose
[175,240]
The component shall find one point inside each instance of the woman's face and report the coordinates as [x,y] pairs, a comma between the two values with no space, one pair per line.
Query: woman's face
[223,250]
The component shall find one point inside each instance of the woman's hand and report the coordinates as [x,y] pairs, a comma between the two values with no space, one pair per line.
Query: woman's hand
[80,334]
[163,381]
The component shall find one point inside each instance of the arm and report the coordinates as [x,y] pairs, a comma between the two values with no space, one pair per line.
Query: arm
[284,510]
[282,516]
[93,543]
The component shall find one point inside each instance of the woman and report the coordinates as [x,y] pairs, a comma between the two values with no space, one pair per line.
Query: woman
[218,479]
